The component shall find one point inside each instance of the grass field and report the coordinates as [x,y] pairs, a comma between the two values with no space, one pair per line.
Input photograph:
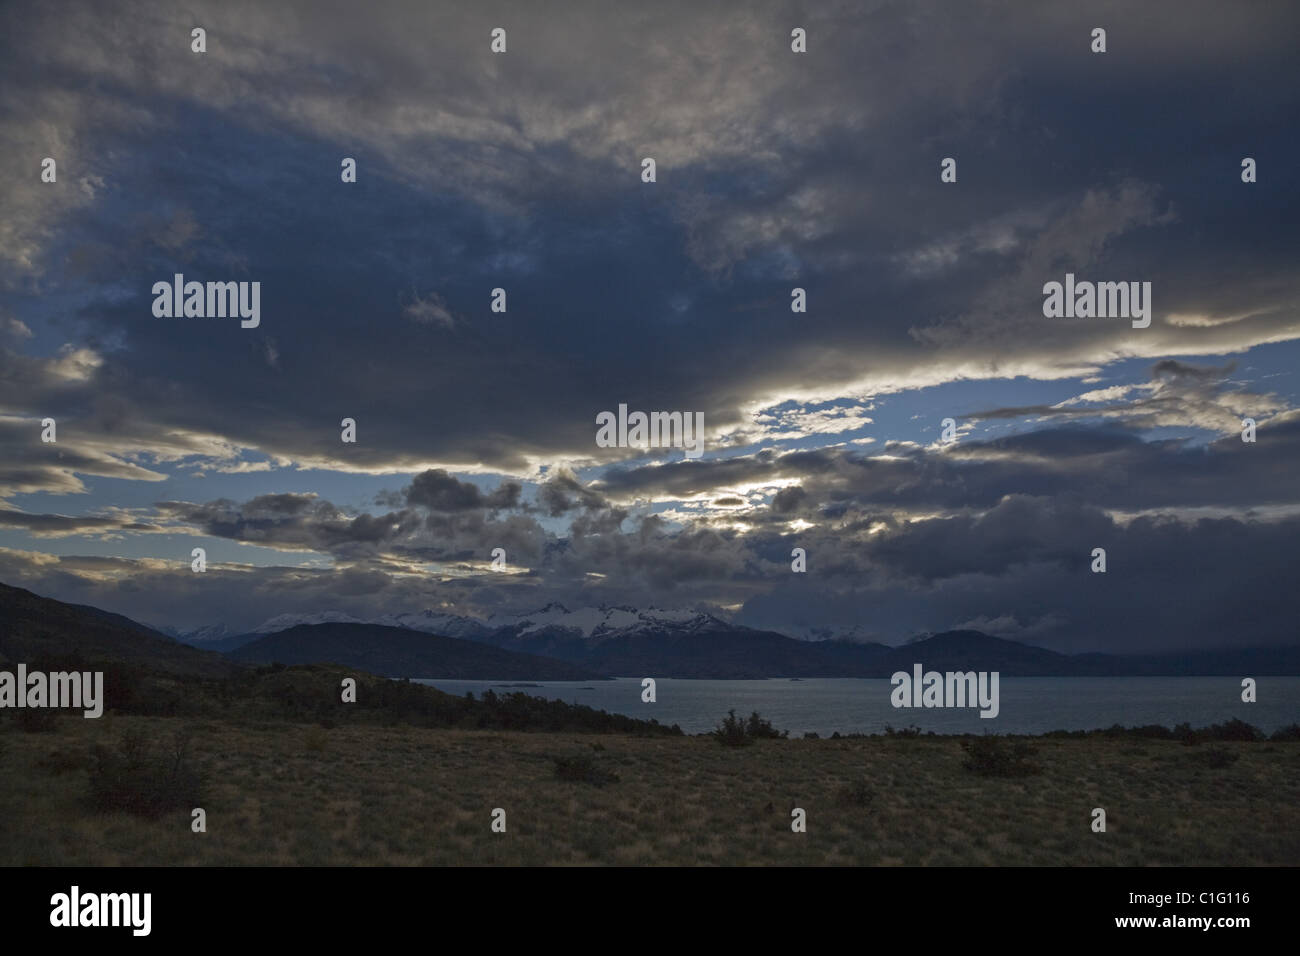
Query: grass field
[278,793]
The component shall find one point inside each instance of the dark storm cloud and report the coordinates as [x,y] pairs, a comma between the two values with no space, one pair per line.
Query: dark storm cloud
[1023,570]
[445,519]
[290,522]
[478,172]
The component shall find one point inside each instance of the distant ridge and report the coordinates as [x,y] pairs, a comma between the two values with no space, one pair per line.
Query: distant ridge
[714,649]
[401,652]
[555,643]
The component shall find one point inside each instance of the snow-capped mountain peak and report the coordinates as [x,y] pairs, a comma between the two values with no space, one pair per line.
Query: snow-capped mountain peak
[197,635]
[591,623]
[436,622]
[603,621]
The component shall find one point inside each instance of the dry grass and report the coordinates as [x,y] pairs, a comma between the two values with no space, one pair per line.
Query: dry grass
[298,794]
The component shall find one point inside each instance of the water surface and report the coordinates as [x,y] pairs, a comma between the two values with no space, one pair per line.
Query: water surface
[1029,705]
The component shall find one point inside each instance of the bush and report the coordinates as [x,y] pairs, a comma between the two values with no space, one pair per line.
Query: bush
[909,731]
[1186,735]
[1289,732]
[1233,730]
[731,732]
[1229,730]
[582,768]
[143,778]
[993,756]
[741,732]
[756,727]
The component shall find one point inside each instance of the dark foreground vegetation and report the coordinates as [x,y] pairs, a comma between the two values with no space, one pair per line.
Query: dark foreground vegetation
[121,790]
[313,692]
[287,773]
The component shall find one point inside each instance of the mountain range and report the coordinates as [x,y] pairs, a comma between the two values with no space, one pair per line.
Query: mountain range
[554,643]
[589,622]
[402,652]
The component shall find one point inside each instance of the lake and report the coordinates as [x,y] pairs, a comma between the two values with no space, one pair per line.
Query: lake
[1029,705]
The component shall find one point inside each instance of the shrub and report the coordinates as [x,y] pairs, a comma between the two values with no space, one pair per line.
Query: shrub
[143,778]
[756,727]
[909,731]
[1289,732]
[731,732]
[741,732]
[993,756]
[1233,730]
[582,768]
[1229,730]
[1186,735]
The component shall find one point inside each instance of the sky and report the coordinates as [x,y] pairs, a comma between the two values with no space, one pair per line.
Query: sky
[522,170]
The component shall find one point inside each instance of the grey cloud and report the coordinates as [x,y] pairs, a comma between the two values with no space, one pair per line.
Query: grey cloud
[437,490]
[55,525]
[562,492]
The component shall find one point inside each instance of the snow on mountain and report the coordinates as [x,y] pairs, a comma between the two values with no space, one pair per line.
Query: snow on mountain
[584,620]
[597,623]
[854,633]
[436,622]
[197,635]
[430,621]
[594,623]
